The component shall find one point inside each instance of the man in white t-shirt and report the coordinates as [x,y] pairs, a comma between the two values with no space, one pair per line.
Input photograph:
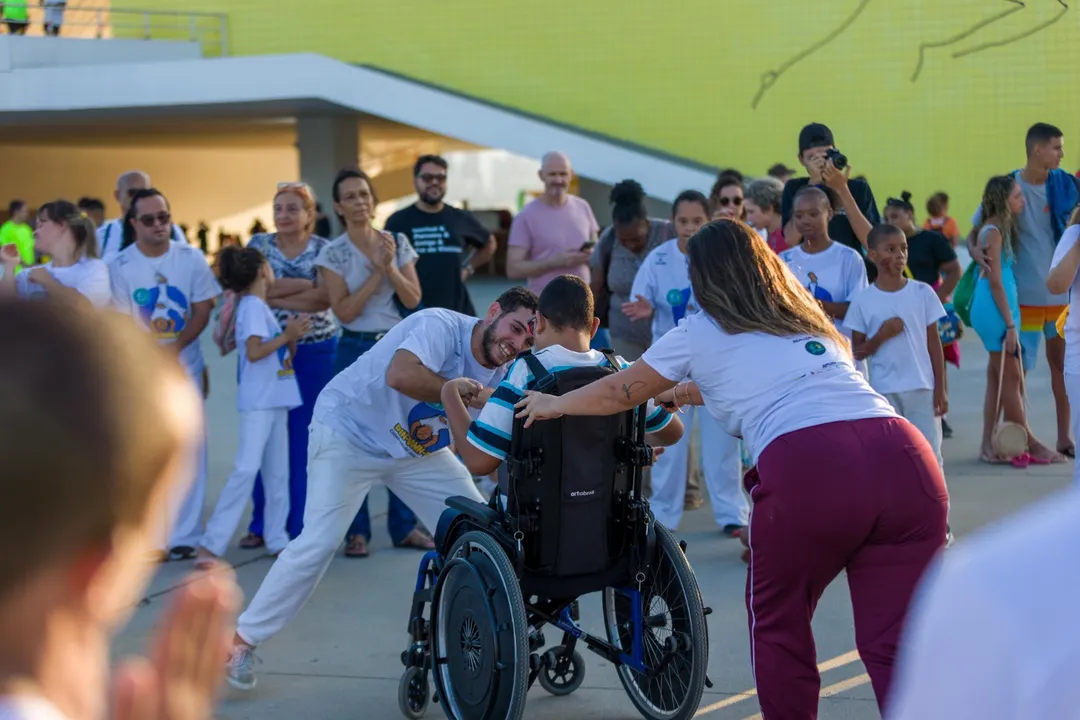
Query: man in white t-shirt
[170,289]
[553,234]
[110,235]
[381,420]
[565,325]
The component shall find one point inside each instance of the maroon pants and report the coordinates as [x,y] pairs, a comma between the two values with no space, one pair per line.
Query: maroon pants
[865,496]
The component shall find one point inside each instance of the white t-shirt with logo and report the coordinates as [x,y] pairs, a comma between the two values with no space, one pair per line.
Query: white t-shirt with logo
[26,707]
[664,280]
[760,386]
[491,431]
[89,276]
[344,258]
[902,363]
[359,405]
[271,382]
[160,291]
[111,235]
[1072,324]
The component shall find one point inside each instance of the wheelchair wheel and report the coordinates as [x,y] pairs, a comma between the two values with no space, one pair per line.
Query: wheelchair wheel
[413,693]
[564,673]
[479,634]
[674,635]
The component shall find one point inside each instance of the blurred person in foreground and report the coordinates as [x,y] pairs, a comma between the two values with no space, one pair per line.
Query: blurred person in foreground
[83,521]
[993,632]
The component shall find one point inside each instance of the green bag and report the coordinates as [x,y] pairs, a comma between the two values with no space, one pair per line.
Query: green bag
[965,293]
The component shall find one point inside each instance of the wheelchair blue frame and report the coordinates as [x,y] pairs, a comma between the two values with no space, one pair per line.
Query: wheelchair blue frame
[428,573]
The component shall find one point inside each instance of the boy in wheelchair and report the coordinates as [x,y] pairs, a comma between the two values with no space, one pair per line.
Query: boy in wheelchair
[571,521]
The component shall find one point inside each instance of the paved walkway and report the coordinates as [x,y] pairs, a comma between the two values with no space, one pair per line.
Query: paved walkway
[340,657]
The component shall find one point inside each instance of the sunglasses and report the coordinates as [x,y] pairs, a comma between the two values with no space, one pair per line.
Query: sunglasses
[725,201]
[149,221]
[432,177]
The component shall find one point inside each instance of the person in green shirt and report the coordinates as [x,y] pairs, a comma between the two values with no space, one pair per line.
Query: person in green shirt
[16,15]
[17,232]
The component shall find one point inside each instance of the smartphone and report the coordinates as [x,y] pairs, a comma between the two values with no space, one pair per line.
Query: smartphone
[588,246]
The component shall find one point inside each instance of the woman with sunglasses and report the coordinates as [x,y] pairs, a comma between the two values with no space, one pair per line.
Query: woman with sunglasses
[74,273]
[841,483]
[291,252]
[726,197]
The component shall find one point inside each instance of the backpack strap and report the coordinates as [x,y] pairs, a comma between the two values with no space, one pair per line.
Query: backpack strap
[541,376]
[609,355]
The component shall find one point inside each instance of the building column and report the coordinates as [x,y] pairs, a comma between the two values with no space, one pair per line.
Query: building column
[326,144]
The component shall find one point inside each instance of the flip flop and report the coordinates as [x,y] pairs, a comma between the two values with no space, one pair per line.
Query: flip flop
[1069,452]
[356,547]
[1021,461]
[992,460]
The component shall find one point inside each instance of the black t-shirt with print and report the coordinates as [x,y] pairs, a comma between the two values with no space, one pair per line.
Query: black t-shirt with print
[928,250]
[442,240]
[839,227]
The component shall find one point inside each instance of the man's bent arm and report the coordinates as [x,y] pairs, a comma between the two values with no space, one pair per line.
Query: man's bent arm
[411,377]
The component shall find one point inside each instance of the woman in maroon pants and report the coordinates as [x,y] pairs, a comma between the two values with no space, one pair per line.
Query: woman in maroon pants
[840,481]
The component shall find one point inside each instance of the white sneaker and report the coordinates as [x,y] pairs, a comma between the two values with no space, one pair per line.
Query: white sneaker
[240,671]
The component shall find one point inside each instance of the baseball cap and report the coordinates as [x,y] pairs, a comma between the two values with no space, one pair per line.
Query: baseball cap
[814,135]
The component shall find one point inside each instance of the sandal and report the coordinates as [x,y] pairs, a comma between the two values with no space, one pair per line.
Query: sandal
[356,547]
[1021,461]
[417,539]
[1069,452]
[251,541]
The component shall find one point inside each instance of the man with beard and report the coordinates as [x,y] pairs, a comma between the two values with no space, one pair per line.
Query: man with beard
[451,243]
[380,420]
[555,233]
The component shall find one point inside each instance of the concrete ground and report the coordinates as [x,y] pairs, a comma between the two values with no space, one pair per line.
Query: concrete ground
[339,658]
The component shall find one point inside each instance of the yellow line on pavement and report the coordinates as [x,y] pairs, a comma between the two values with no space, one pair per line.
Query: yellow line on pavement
[838,661]
[834,689]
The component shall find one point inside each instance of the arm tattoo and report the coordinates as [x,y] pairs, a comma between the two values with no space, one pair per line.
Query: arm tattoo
[627,389]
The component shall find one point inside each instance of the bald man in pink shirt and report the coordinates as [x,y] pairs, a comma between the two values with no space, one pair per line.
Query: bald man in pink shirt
[554,234]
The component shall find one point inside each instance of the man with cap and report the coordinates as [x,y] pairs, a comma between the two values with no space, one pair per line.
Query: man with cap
[855,211]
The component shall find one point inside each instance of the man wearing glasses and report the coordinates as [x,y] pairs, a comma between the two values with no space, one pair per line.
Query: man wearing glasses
[169,288]
[451,242]
[110,235]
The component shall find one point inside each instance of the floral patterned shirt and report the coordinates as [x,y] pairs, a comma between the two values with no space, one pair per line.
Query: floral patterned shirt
[323,324]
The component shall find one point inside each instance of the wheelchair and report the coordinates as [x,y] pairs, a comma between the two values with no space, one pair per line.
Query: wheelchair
[572,521]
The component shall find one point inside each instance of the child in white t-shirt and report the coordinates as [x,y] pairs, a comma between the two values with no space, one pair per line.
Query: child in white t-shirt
[267,391]
[894,323]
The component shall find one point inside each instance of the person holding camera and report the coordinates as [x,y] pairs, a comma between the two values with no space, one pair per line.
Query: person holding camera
[854,210]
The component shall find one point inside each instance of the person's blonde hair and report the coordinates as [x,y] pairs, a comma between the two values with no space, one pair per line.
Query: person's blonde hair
[745,286]
[83,445]
[995,204]
[77,222]
[307,199]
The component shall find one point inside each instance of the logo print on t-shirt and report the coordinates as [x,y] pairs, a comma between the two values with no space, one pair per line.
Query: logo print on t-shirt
[816,290]
[163,308]
[815,348]
[428,429]
[679,301]
[285,358]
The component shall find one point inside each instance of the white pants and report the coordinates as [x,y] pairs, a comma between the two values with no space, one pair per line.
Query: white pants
[339,477]
[721,464]
[917,407]
[264,445]
[1072,389]
[186,510]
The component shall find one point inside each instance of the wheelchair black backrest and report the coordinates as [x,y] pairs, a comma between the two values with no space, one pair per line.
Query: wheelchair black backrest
[574,481]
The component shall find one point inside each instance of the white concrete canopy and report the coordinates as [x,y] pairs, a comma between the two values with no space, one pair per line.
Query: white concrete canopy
[311,84]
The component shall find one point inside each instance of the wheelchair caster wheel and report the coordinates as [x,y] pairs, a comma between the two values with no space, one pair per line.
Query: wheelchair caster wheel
[413,693]
[563,672]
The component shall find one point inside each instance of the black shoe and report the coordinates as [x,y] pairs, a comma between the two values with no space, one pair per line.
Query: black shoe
[946,431]
[182,552]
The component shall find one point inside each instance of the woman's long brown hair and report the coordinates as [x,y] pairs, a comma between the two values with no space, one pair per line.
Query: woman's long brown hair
[743,285]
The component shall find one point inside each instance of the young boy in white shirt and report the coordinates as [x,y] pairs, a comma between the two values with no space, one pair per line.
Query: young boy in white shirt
[98,433]
[894,324]
[565,325]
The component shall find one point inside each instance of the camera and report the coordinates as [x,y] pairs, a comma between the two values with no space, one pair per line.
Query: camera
[837,158]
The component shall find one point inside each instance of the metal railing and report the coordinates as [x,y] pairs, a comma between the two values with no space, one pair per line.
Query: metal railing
[90,20]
